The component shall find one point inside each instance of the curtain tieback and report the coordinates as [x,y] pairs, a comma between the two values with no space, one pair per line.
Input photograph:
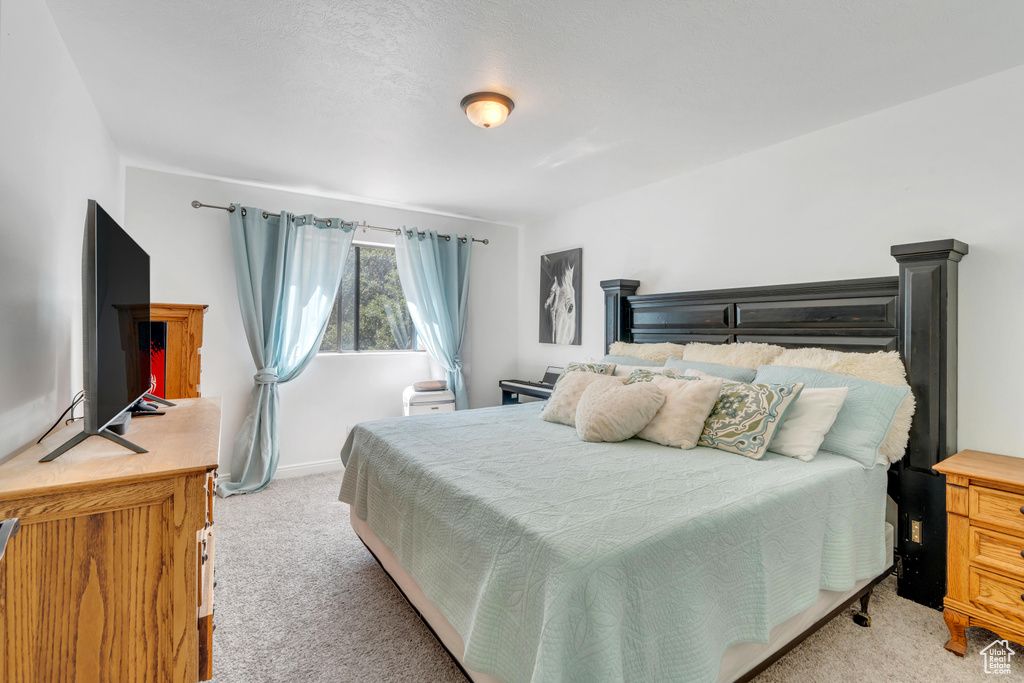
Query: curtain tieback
[266,376]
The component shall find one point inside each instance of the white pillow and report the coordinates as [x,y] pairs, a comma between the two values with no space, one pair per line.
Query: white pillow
[807,422]
[687,405]
[741,355]
[611,411]
[561,405]
[659,352]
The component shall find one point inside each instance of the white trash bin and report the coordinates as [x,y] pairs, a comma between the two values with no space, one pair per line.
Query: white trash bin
[424,402]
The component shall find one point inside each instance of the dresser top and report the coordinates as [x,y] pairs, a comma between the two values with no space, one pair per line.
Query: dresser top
[987,466]
[186,439]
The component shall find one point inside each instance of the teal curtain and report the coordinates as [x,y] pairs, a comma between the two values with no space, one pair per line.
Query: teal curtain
[287,270]
[434,273]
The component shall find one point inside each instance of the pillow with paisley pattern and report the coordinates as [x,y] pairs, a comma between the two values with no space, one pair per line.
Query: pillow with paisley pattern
[595,368]
[641,375]
[746,417]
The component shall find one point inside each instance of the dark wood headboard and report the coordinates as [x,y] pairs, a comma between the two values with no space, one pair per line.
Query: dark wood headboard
[914,313]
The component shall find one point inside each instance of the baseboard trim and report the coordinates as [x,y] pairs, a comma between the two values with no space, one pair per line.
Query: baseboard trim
[304,468]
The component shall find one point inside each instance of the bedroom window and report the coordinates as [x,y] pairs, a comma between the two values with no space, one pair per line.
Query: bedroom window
[369,311]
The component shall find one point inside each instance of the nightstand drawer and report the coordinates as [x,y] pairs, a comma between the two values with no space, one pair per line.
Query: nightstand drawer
[997,507]
[998,551]
[997,594]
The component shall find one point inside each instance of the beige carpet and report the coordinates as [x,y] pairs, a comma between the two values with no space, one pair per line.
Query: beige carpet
[299,599]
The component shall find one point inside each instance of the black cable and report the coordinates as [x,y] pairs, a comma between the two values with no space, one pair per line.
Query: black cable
[79,397]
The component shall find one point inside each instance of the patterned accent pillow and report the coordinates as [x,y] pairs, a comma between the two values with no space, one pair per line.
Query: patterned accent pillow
[746,417]
[596,368]
[649,375]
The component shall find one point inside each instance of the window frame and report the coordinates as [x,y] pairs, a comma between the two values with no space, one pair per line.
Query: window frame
[336,310]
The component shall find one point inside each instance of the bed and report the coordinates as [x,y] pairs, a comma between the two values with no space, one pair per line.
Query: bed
[536,557]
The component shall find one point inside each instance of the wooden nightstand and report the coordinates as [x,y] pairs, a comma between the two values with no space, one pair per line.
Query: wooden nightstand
[985,548]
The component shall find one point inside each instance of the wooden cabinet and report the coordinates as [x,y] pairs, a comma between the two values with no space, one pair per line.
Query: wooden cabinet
[111,576]
[182,357]
[985,545]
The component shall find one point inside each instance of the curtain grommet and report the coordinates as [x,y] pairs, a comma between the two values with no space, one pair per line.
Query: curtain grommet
[243,211]
[265,216]
[447,238]
[328,222]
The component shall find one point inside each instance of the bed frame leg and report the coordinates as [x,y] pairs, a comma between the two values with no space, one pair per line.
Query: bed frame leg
[862,618]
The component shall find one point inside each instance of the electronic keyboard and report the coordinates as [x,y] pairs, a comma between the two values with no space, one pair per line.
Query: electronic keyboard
[511,389]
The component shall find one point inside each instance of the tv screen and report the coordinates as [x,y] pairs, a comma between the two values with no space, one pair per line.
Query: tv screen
[116,326]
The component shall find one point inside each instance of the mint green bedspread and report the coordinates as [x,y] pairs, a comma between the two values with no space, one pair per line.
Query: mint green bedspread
[559,560]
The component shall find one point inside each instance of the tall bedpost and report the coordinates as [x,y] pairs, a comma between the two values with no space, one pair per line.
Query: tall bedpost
[616,315]
[927,320]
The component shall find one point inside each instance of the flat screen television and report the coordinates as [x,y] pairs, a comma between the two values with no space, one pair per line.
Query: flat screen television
[115,326]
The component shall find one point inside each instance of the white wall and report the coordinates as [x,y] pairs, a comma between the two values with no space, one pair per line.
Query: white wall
[828,206]
[55,154]
[192,263]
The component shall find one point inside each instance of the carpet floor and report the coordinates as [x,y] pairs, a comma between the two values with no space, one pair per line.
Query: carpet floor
[299,599]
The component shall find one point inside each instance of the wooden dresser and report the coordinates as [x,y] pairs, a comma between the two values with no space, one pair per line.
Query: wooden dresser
[111,577]
[985,545]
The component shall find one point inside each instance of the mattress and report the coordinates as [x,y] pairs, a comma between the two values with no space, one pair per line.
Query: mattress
[555,559]
[737,660]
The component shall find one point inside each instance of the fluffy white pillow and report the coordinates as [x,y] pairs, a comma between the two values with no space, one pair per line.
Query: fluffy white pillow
[680,420]
[807,422]
[742,355]
[561,405]
[659,352]
[885,367]
[611,411]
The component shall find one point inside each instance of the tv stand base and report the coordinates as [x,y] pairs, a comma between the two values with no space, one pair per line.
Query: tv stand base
[82,436]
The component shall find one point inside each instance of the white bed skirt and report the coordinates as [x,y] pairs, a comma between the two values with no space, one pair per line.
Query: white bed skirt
[737,660]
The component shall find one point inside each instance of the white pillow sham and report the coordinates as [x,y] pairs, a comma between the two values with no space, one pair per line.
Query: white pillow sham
[611,411]
[741,355]
[807,422]
[561,405]
[680,421]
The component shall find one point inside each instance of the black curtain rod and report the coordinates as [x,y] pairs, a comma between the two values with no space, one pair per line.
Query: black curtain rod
[397,231]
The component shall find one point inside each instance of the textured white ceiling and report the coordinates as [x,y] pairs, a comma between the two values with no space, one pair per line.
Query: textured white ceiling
[362,97]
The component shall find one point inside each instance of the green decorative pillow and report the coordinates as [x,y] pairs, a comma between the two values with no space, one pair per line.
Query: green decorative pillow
[746,417]
[595,368]
[648,375]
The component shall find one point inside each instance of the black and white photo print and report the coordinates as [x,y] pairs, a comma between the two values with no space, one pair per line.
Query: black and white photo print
[561,289]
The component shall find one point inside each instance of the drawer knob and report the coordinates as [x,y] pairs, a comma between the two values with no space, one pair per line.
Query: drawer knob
[1022,509]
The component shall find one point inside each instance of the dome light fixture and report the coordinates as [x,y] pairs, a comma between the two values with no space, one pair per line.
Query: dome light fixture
[487,109]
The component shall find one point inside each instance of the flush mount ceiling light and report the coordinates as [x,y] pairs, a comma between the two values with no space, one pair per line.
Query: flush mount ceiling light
[487,109]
